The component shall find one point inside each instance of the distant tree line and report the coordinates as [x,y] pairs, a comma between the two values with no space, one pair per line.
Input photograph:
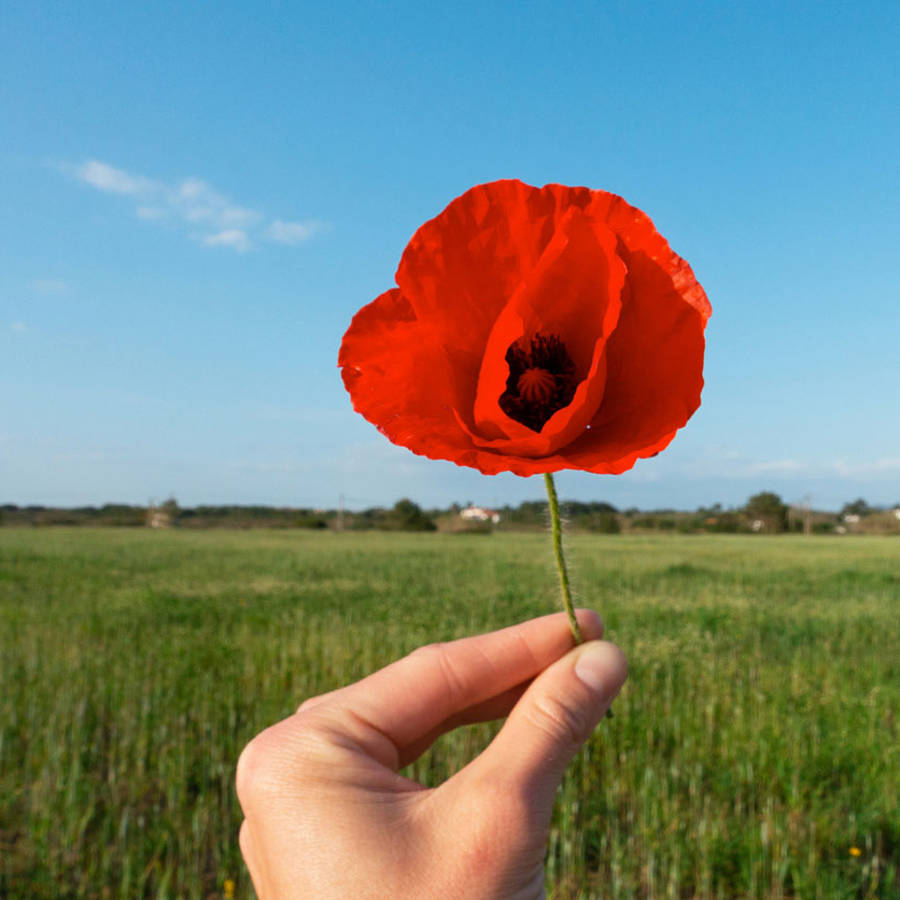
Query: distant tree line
[404,516]
[595,516]
[763,513]
[248,517]
[114,514]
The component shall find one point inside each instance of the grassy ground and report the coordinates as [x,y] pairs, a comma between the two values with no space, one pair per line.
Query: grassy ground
[754,745]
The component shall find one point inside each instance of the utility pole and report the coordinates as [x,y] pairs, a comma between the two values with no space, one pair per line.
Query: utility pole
[807,515]
[340,515]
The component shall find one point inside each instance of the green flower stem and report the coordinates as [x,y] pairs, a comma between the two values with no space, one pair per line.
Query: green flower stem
[560,558]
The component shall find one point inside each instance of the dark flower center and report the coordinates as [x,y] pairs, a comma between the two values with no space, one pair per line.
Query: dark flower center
[541,380]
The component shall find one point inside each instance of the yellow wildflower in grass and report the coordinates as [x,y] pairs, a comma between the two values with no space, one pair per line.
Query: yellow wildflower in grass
[855,851]
[228,889]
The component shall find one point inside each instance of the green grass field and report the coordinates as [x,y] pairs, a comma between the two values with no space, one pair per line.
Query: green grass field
[755,743]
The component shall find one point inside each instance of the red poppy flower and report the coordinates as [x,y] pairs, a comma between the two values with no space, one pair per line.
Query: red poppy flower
[532,330]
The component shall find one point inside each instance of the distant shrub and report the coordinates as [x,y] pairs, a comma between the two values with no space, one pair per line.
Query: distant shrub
[769,509]
[603,523]
[720,522]
[310,522]
[405,516]
[408,516]
[655,523]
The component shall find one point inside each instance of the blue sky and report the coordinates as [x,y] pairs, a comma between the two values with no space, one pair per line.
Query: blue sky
[195,199]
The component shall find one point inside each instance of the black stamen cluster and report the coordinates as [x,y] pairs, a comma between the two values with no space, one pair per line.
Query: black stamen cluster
[547,352]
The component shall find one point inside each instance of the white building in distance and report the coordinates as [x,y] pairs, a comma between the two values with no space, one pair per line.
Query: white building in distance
[479,514]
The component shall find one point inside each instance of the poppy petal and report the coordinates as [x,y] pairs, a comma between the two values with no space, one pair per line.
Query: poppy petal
[460,268]
[581,458]
[400,380]
[427,362]
[644,402]
[639,234]
[583,274]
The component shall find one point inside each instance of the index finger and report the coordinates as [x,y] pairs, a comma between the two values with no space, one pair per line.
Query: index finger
[413,696]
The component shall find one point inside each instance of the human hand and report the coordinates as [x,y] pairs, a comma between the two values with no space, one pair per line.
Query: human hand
[328,816]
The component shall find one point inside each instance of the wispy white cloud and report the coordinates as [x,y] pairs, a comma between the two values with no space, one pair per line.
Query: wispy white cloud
[18,327]
[210,217]
[49,286]
[105,177]
[292,232]
[198,203]
[235,238]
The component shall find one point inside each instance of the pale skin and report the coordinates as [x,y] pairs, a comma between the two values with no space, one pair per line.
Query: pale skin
[327,814]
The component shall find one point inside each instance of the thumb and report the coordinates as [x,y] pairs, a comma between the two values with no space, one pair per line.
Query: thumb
[552,720]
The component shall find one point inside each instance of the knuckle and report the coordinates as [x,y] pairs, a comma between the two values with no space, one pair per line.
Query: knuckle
[250,766]
[266,763]
[290,752]
[560,720]
[244,840]
[437,657]
[428,653]
[308,704]
[318,700]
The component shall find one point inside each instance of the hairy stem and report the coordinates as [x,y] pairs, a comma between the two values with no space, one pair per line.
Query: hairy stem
[556,526]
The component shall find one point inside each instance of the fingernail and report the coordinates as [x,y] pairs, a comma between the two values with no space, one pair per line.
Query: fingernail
[593,667]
